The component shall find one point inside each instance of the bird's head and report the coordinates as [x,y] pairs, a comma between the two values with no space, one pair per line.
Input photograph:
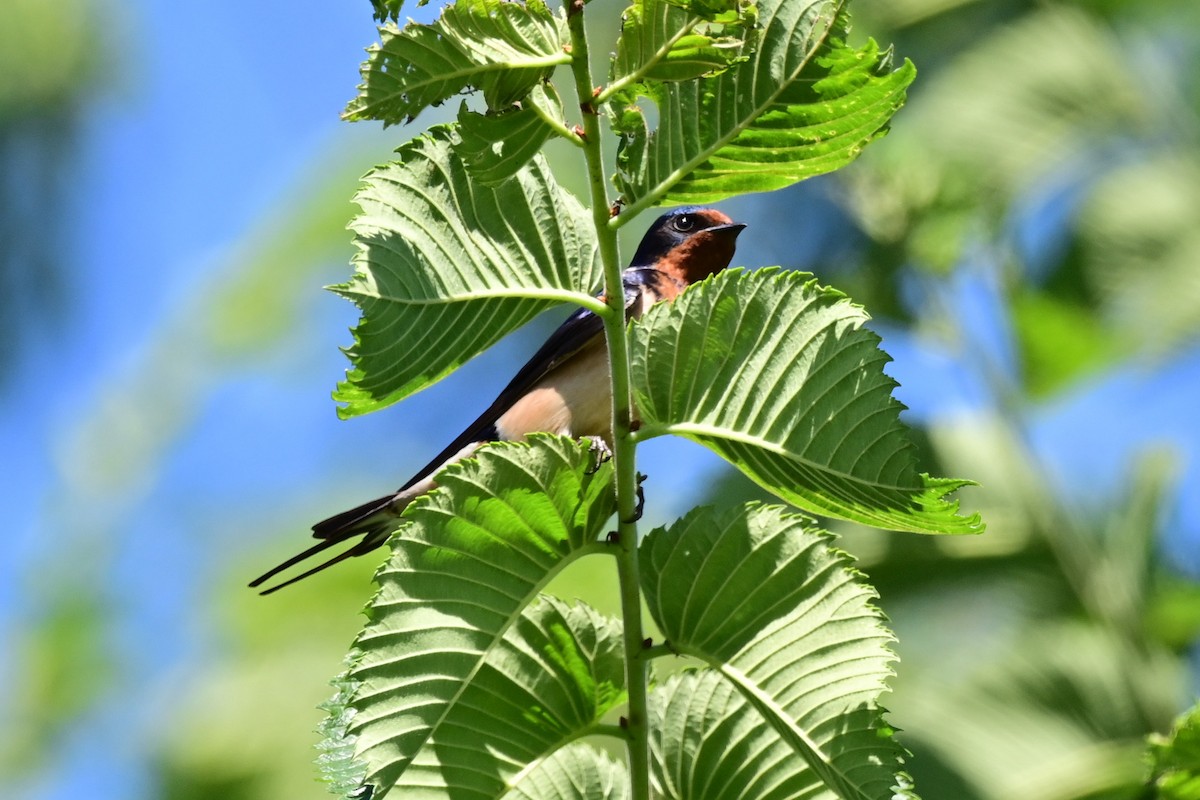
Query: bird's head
[689,244]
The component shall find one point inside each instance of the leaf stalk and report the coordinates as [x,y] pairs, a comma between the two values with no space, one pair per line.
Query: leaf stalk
[636,729]
[651,63]
[556,125]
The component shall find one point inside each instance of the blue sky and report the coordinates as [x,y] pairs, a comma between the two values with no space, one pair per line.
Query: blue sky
[216,112]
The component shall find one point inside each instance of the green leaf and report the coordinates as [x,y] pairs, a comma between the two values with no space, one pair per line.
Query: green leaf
[1175,759]
[445,266]
[708,743]
[662,41]
[549,679]
[1140,235]
[799,657]
[502,48]
[801,104]
[495,146]
[777,375]
[716,10]
[457,684]
[343,773]
[575,772]
[389,9]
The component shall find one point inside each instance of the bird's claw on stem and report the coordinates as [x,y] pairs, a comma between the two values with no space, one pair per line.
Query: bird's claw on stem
[641,501]
[600,451]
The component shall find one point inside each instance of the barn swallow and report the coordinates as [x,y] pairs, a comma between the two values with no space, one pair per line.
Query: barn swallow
[564,389]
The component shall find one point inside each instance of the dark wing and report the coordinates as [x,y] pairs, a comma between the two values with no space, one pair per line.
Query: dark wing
[568,339]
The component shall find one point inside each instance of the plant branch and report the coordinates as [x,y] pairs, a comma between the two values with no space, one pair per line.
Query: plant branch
[555,124]
[644,69]
[624,447]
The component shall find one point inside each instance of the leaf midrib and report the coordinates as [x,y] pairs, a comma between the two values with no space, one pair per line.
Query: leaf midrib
[786,727]
[481,660]
[556,295]
[651,194]
[690,429]
[407,87]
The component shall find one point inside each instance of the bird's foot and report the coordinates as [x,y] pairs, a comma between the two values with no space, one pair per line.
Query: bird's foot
[601,453]
[641,501]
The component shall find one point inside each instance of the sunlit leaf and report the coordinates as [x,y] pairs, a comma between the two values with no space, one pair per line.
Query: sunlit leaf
[798,657]
[576,772]
[446,266]
[662,41]
[801,104]
[723,11]
[1175,759]
[457,683]
[495,146]
[777,375]
[341,770]
[502,48]
[388,9]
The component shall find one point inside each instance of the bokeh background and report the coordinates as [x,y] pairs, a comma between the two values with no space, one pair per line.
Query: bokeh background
[174,189]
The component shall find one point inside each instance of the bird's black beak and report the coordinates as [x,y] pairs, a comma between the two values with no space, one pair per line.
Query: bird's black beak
[733,228]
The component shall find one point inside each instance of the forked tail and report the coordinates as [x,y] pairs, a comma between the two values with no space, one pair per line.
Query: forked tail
[373,521]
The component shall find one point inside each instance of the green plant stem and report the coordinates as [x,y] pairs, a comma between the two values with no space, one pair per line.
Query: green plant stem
[555,125]
[633,77]
[624,447]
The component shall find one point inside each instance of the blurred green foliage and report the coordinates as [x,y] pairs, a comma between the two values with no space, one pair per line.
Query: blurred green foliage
[1175,759]
[51,69]
[1034,659]
[1086,107]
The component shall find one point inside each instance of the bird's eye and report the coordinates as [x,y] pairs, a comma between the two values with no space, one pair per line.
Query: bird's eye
[685,223]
